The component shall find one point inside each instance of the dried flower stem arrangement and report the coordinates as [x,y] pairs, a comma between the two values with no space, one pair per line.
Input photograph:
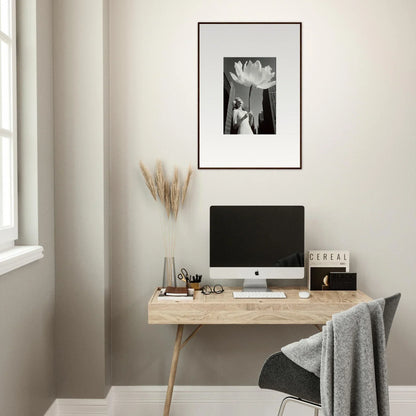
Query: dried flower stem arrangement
[171,194]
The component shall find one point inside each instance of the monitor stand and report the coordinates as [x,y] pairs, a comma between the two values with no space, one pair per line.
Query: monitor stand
[255,285]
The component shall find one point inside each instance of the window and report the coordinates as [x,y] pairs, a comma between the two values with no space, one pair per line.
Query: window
[11,256]
[8,133]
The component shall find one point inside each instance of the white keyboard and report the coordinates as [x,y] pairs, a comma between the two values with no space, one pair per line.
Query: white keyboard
[259,295]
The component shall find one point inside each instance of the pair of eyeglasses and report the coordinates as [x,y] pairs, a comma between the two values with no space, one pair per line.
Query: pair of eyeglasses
[207,289]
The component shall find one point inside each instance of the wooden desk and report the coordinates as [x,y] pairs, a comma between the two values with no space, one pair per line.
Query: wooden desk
[223,309]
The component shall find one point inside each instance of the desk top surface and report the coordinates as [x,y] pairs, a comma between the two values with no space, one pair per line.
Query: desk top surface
[223,309]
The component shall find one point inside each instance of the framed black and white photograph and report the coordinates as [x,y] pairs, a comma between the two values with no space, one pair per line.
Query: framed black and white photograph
[249,96]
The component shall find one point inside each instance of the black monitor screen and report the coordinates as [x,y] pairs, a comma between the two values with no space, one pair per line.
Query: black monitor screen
[257,236]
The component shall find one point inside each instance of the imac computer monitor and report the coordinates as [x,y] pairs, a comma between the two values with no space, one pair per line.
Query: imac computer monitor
[256,243]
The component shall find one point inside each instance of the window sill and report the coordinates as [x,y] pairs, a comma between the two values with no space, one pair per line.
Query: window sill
[19,256]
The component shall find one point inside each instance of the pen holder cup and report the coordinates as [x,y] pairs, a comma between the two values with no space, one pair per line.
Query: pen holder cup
[194,285]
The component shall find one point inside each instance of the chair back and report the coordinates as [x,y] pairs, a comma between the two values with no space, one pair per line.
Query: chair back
[390,308]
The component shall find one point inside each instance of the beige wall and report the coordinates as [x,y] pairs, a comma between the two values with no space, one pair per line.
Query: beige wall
[81,199]
[27,294]
[357,181]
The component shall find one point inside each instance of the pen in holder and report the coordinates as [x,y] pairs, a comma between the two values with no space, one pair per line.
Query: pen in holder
[194,281]
[191,281]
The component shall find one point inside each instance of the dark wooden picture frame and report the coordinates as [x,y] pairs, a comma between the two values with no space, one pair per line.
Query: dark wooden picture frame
[280,148]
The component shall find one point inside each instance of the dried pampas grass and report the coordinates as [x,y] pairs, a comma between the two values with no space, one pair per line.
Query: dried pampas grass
[186,184]
[166,199]
[148,178]
[160,181]
[175,193]
[171,195]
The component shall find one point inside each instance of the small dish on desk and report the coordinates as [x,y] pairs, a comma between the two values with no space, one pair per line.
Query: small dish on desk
[304,295]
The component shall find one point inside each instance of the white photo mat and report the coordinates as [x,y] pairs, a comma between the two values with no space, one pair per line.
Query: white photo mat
[221,40]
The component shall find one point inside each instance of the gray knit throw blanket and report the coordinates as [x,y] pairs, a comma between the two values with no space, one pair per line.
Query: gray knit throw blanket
[349,357]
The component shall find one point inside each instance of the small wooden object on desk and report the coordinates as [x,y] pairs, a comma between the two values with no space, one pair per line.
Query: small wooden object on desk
[223,309]
[194,285]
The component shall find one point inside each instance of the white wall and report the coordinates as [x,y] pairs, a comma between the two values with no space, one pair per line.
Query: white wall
[81,200]
[357,181]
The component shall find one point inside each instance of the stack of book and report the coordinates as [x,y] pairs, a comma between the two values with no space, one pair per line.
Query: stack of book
[176,294]
[324,262]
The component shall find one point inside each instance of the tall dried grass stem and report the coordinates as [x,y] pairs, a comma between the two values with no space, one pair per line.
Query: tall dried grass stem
[160,181]
[148,178]
[175,193]
[186,184]
[166,198]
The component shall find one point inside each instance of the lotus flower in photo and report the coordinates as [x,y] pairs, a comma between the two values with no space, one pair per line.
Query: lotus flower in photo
[253,75]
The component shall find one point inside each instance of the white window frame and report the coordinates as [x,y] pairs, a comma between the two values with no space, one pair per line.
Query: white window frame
[9,234]
[11,256]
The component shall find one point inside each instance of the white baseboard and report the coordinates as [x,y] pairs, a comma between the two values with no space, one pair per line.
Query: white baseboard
[402,400]
[87,407]
[205,401]
[53,410]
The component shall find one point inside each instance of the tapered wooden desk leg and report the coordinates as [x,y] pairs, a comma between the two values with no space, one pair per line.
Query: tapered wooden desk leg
[173,367]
